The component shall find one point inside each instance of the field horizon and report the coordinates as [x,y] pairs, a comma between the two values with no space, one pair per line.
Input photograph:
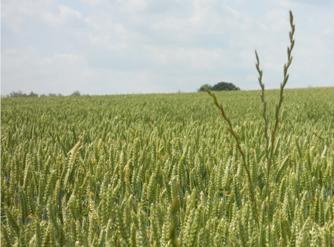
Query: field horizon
[171,92]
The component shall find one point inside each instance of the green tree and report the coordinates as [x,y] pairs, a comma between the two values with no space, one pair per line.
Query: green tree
[224,86]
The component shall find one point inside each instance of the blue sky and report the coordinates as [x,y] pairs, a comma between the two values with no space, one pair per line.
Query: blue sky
[143,46]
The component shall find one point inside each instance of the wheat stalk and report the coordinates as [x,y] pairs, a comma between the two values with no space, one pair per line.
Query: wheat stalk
[242,153]
[270,140]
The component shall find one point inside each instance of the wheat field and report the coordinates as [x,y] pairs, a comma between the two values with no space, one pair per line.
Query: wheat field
[163,170]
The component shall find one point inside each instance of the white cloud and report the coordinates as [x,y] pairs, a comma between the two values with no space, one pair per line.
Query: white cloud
[102,46]
[62,16]
[91,2]
[16,13]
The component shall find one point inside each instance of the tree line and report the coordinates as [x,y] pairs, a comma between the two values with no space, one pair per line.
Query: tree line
[33,94]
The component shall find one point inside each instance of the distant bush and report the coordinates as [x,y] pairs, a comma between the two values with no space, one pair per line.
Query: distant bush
[220,86]
[228,86]
[76,93]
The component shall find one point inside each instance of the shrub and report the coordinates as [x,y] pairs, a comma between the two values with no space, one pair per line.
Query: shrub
[220,86]
[224,86]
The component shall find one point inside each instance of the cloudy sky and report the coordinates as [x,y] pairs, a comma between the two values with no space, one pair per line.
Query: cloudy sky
[139,46]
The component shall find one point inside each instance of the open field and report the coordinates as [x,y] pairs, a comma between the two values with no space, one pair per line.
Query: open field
[162,170]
